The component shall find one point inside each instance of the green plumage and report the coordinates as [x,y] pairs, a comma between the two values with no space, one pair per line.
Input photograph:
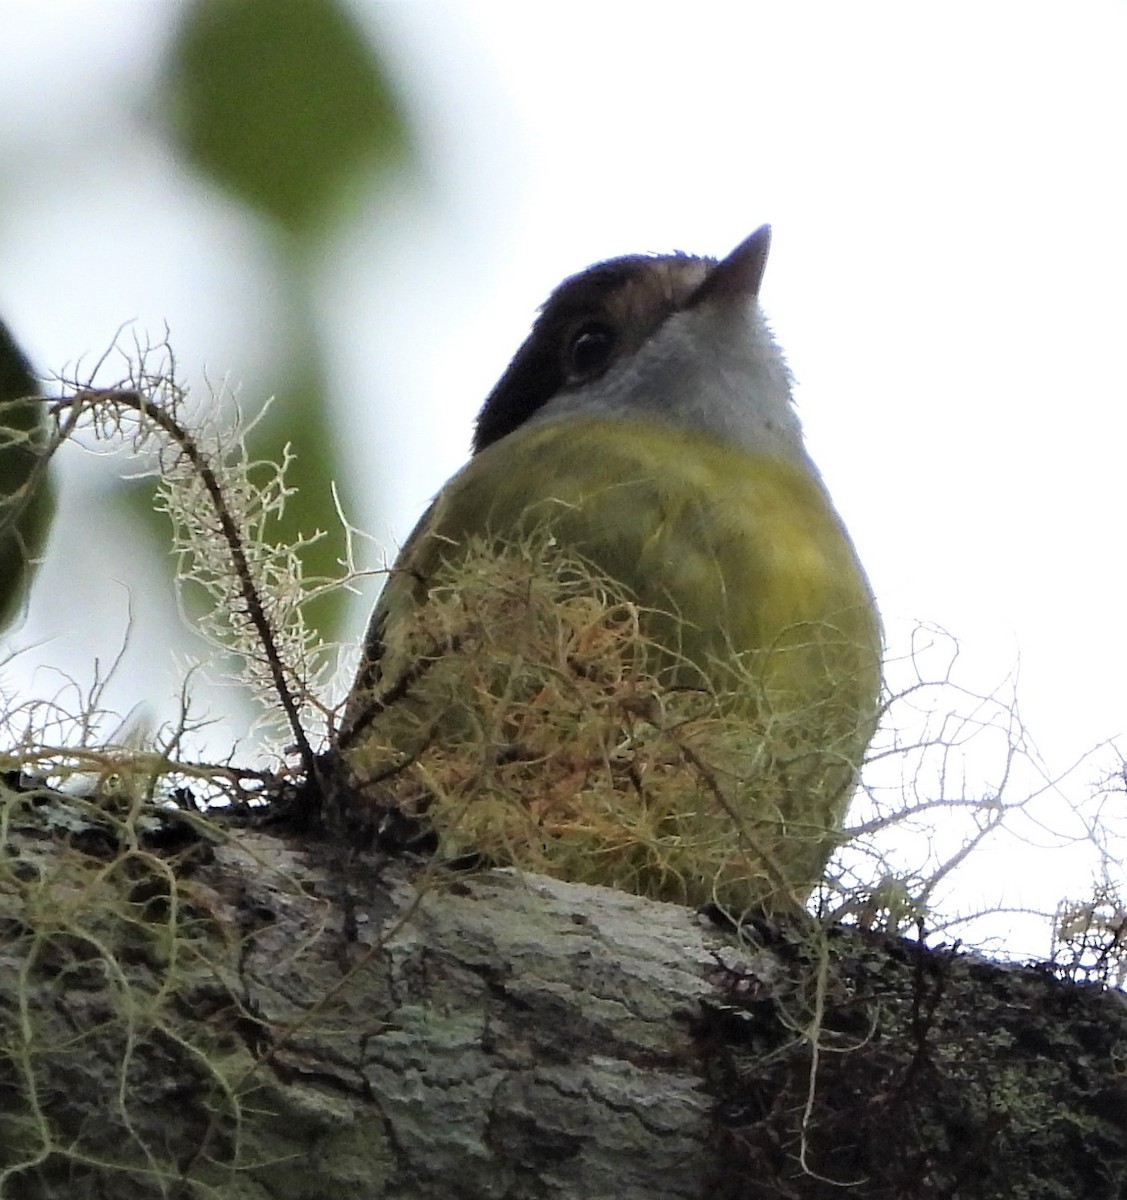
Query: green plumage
[751,598]
[745,554]
[630,642]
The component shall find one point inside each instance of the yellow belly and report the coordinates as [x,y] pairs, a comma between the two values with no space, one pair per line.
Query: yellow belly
[747,584]
[747,552]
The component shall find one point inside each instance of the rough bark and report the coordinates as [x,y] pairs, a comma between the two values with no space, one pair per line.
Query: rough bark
[192,1012]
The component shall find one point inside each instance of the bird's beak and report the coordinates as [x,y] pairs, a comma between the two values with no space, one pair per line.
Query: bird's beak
[738,276]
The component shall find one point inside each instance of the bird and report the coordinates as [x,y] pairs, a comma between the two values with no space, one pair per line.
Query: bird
[646,431]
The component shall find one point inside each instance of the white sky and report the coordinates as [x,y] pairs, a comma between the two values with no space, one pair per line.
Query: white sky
[947,185]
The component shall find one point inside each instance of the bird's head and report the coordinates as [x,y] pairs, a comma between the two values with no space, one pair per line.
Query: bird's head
[674,337]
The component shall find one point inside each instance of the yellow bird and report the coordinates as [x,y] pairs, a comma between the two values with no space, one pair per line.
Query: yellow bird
[646,430]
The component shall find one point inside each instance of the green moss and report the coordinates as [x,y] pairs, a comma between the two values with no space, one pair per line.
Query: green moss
[537,723]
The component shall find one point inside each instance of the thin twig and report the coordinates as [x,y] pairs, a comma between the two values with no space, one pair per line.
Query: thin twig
[255,609]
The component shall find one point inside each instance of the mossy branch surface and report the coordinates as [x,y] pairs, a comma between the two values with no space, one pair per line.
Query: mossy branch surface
[187,1011]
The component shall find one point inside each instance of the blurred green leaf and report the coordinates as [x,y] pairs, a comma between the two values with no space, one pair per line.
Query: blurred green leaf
[27,501]
[286,105]
[282,102]
[299,418]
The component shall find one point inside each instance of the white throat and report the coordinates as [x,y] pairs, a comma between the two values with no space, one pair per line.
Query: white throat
[709,368]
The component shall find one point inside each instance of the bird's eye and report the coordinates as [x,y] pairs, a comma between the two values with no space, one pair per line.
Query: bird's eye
[589,351]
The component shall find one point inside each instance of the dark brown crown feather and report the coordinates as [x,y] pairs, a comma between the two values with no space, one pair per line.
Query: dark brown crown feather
[630,296]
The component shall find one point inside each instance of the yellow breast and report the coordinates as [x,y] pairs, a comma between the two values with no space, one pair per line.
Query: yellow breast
[748,588]
[747,553]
